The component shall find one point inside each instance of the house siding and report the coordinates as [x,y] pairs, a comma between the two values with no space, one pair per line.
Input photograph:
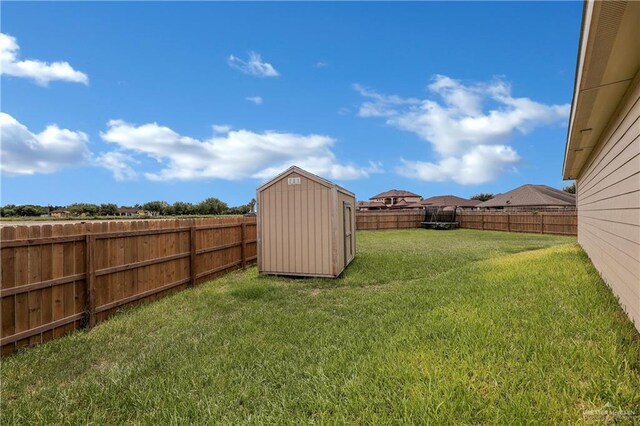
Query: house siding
[608,201]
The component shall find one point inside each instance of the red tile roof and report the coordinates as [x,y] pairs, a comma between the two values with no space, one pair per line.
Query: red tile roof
[401,204]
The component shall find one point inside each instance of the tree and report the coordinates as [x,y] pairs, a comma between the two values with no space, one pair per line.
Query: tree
[482,196]
[211,206]
[108,209]
[87,209]
[7,212]
[571,189]
[29,210]
[157,208]
[243,209]
[180,208]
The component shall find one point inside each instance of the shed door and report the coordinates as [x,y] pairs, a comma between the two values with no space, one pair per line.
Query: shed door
[348,233]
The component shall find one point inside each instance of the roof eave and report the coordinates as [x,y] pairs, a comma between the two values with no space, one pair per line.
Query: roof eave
[306,174]
[576,87]
[608,62]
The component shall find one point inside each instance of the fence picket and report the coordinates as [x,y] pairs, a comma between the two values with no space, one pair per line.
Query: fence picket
[546,222]
[49,272]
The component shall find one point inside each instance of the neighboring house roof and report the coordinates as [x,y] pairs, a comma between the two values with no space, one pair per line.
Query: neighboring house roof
[449,200]
[416,205]
[394,193]
[531,195]
[60,211]
[371,204]
[608,60]
[401,204]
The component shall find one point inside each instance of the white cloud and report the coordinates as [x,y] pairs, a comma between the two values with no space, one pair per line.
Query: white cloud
[321,64]
[380,105]
[236,154]
[41,72]
[482,164]
[460,128]
[255,99]
[253,66]
[221,128]
[119,164]
[325,166]
[27,153]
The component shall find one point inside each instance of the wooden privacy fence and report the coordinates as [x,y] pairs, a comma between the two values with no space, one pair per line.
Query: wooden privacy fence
[399,219]
[557,223]
[61,277]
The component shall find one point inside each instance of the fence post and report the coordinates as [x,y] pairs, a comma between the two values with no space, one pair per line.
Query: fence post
[482,220]
[508,222]
[192,256]
[542,222]
[90,270]
[243,246]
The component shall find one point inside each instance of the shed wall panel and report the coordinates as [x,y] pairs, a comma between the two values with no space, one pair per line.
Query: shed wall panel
[318,253]
[608,200]
[340,261]
[326,237]
[295,227]
[340,239]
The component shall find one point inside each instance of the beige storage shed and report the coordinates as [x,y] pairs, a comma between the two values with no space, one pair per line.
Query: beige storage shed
[306,226]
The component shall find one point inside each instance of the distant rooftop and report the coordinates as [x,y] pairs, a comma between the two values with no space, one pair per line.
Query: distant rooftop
[449,200]
[395,193]
[371,204]
[532,195]
[400,204]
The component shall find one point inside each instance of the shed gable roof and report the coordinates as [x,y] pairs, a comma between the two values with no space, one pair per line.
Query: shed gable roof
[308,175]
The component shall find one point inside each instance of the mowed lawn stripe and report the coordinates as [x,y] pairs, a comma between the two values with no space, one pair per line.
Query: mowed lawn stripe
[425,326]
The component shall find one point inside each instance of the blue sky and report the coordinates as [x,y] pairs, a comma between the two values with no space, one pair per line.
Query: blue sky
[131,102]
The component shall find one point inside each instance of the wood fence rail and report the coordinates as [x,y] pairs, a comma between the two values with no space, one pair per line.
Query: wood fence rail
[61,277]
[556,223]
[399,219]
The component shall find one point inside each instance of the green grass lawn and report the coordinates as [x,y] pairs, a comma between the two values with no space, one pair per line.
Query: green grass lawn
[424,327]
